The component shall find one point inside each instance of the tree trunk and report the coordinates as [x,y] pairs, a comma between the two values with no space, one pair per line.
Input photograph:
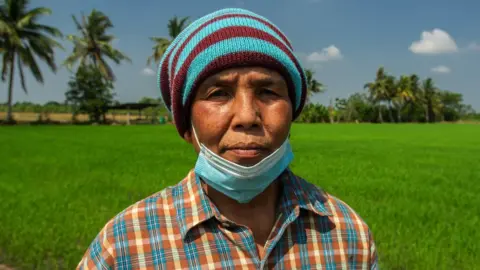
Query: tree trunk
[427,119]
[390,115]
[10,89]
[380,117]
[431,114]
[410,111]
[95,64]
[399,114]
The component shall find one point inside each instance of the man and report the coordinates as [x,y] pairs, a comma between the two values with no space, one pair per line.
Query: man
[234,87]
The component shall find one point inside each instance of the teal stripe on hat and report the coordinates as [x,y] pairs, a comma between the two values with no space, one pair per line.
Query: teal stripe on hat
[197,23]
[190,29]
[227,22]
[241,44]
[162,60]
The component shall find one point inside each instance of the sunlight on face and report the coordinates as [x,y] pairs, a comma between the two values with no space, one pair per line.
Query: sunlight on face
[242,114]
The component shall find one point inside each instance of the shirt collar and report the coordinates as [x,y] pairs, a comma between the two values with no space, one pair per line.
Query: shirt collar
[297,192]
[193,207]
[191,203]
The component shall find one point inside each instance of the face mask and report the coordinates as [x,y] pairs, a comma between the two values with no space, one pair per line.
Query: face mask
[239,182]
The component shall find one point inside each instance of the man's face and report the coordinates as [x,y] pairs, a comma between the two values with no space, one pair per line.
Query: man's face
[241,114]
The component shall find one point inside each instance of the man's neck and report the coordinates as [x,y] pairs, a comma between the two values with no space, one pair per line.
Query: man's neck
[259,215]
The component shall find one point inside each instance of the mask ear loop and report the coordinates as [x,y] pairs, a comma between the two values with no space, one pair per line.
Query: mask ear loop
[195,135]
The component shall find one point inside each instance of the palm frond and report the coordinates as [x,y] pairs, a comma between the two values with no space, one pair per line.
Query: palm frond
[83,60]
[159,49]
[27,58]
[29,35]
[72,60]
[114,54]
[176,26]
[48,29]
[32,16]
[5,28]
[150,59]
[79,26]
[106,38]
[5,65]
[43,49]
[105,69]
[94,44]
[368,85]
[77,40]
[22,76]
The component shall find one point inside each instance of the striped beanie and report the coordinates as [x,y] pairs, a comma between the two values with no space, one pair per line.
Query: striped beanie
[224,39]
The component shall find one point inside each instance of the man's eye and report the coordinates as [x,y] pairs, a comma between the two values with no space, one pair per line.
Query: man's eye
[266,91]
[218,94]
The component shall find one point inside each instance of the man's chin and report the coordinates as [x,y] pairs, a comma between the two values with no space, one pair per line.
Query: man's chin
[245,158]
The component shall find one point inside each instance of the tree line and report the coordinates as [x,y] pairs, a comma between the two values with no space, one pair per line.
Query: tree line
[24,41]
[392,99]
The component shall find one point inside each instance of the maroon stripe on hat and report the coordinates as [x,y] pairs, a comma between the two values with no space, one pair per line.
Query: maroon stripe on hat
[205,24]
[223,34]
[303,97]
[182,113]
[165,86]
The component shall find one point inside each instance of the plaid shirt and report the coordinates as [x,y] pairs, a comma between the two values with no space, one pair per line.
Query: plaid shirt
[180,228]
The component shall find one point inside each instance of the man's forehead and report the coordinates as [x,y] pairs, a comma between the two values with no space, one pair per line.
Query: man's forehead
[249,74]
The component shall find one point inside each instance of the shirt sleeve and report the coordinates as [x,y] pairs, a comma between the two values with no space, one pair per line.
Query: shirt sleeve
[100,253]
[373,259]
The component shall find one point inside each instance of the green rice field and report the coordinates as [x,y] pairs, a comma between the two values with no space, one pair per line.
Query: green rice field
[417,186]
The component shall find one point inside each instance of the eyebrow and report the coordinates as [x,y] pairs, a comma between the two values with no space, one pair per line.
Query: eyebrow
[261,82]
[226,81]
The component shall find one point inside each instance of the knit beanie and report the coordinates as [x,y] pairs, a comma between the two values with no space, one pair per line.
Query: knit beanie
[224,39]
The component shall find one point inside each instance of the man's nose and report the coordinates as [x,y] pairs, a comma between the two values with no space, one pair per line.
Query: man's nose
[246,111]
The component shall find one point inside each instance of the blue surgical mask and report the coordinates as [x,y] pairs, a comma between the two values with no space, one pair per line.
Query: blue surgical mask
[239,182]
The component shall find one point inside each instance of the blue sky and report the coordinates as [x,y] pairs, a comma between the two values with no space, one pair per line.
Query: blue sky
[344,41]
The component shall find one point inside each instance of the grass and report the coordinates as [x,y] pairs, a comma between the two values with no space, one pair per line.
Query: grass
[416,186]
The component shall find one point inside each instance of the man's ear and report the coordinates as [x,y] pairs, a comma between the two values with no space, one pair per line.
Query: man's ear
[187,136]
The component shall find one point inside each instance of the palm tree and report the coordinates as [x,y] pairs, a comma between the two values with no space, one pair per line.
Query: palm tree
[22,37]
[391,92]
[175,26]
[415,91]
[94,44]
[331,112]
[313,86]
[354,106]
[403,95]
[378,90]
[430,99]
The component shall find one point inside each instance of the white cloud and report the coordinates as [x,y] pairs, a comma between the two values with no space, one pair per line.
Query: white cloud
[441,69]
[473,46]
[300,55]
[435,42]
[326,54]
[148,72]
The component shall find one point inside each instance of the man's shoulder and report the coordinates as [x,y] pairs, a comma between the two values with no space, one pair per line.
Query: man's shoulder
[347,215]
[348,226]
[134,227]
[157,209]
[339,210]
